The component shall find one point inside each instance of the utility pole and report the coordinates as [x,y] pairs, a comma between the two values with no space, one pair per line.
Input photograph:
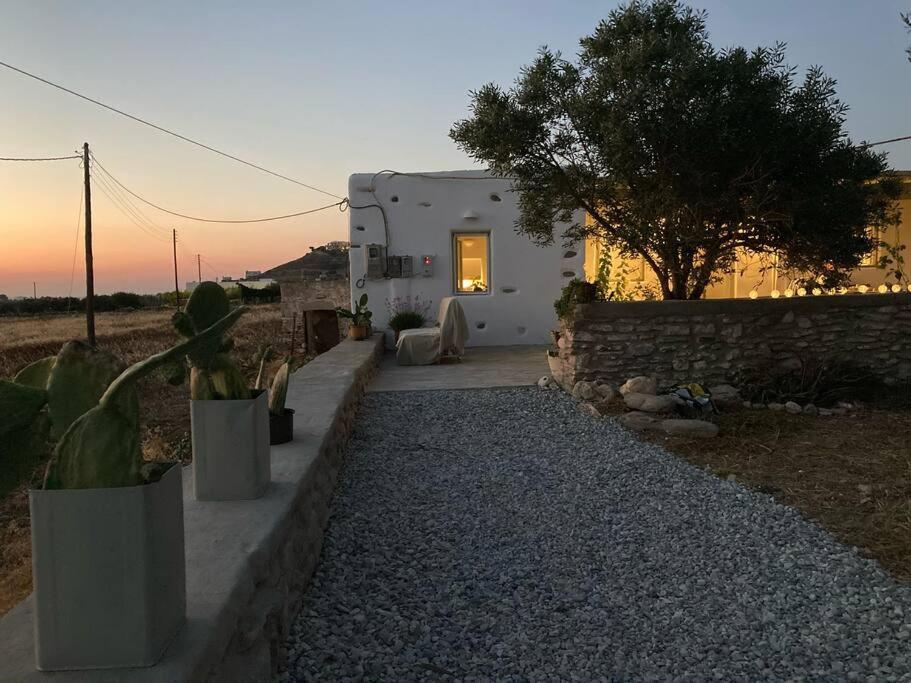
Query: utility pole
[89,262]
[34,290]
[198,270]
[176,286]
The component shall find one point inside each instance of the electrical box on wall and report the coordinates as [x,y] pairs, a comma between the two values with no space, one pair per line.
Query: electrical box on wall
[376,261]
[427,265]
[393,266]
[399,266]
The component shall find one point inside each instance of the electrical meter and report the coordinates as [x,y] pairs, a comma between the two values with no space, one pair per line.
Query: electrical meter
[376,261]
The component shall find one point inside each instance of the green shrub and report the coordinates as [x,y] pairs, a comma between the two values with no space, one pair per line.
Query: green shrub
[575,292]
[406,320]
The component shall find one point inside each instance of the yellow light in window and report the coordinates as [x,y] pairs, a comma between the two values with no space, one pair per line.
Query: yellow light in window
[466,284]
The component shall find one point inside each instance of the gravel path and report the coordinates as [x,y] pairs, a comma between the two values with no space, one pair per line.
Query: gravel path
[502,534]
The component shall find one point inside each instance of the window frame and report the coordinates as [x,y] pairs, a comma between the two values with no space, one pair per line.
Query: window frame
[456,265]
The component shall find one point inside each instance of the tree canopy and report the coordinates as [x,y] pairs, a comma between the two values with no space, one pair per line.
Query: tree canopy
[683,154]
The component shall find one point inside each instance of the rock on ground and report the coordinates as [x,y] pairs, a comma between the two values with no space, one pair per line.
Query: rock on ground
[584,390]
[503,535]
[649,403]
[640,385]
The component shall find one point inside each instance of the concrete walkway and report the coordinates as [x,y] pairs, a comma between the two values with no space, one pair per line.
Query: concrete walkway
[483,367]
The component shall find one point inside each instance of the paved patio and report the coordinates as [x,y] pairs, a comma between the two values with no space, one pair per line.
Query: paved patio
[483,367]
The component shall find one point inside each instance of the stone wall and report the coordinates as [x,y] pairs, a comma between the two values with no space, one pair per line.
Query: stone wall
[312,294]
[248,563]
[711,341]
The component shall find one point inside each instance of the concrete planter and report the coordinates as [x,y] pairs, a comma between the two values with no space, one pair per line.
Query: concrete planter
[230,448]
[109,574]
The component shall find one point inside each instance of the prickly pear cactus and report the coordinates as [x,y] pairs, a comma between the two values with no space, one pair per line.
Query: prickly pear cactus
[76,382]
[36,374]
[19,406]
[213,374]
[279,391]
[101,449]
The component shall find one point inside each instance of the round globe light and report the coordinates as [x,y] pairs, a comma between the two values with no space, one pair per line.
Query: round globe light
[882,289]
[775,294]
[863,289]
[789,293]
[801,291]
[754,294]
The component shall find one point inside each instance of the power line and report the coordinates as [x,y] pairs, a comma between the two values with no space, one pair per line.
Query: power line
[213,220]
[135,210]
[125,212]
[120,205]
[39,158]
[886,142]
[165,130]
[75,249]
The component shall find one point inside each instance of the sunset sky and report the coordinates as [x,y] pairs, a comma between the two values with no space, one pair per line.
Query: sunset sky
[317,91]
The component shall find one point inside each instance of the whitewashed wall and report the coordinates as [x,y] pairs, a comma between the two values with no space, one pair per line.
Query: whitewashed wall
[423,213]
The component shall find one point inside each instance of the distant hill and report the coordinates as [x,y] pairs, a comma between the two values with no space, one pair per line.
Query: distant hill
[328,260]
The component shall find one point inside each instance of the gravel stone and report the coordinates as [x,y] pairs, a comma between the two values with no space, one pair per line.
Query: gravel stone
[504,535]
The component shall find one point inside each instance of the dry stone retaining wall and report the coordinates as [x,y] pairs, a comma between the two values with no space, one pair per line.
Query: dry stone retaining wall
[711,341]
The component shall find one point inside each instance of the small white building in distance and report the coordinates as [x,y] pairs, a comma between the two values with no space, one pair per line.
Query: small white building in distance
[453,233]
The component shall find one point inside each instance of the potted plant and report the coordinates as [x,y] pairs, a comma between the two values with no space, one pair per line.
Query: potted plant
[107,528]
[229,422]
[406,313]
[281,419]
[360,319]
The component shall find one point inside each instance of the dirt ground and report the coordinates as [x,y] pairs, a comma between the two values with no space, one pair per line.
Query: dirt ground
[849,473]
[165,411]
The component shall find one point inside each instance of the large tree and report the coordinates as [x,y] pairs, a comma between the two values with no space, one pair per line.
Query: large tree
[683,154]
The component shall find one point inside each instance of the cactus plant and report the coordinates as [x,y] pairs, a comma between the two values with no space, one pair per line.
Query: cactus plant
[101,448]
[279,391]
[69,384]
[213,374]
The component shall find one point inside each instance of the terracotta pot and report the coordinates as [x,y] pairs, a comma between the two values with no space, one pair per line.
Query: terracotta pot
[358,332]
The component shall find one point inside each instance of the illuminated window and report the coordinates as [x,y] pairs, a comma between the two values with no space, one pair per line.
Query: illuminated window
[872,259]
[472,263]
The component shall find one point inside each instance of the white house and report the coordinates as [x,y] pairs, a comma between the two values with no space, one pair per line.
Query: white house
[453,233]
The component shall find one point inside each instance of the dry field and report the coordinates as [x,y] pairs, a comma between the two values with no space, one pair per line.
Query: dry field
[131,336]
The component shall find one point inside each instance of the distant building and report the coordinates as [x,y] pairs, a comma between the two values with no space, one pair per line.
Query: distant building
[228,282]
[252,274]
